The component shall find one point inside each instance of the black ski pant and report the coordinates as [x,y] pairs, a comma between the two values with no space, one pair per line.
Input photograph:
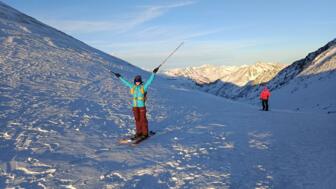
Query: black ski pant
[264,104]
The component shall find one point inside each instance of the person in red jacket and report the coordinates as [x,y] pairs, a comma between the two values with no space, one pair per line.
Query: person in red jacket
[264,96]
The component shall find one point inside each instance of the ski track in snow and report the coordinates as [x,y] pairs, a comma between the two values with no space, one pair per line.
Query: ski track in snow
[201,141]
[230,147]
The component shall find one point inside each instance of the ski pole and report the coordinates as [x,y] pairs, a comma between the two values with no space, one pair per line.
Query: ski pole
[112,72]
[171,54]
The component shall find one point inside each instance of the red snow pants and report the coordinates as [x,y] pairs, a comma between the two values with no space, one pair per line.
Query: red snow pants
[141,122]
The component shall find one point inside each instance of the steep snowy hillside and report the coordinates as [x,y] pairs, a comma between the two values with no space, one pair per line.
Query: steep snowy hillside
[61,115]
[308,84]
[52,87]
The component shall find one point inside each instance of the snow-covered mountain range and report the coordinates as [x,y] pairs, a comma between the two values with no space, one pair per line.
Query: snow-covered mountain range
[238,75]
[62,113]
[227,81]
[203,74]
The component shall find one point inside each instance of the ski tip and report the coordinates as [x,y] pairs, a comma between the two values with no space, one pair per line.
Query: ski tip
[124,141]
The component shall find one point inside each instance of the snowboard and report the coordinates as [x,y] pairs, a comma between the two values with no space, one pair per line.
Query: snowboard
[136,141]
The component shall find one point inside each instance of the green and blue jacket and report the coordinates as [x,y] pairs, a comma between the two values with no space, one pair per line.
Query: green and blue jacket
[138,92]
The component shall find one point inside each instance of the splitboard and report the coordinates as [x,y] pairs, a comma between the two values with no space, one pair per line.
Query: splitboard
[136,141]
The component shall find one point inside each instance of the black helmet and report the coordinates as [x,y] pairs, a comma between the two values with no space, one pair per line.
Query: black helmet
[137,79]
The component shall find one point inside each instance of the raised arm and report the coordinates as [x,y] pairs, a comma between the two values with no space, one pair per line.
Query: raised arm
[149,81]
[125,82]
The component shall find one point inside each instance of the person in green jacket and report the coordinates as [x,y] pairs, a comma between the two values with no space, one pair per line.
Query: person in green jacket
[138,90]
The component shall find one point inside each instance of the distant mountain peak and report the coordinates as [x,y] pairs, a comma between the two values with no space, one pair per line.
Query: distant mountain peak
[239,75]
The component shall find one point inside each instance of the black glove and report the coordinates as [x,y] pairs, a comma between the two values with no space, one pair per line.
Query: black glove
[156,69]
[116,74]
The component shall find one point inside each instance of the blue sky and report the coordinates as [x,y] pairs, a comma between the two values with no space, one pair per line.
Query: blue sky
[221,32]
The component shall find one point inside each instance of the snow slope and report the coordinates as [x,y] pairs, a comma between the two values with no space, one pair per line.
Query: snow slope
[314,88]
[62,113]
[308,84]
